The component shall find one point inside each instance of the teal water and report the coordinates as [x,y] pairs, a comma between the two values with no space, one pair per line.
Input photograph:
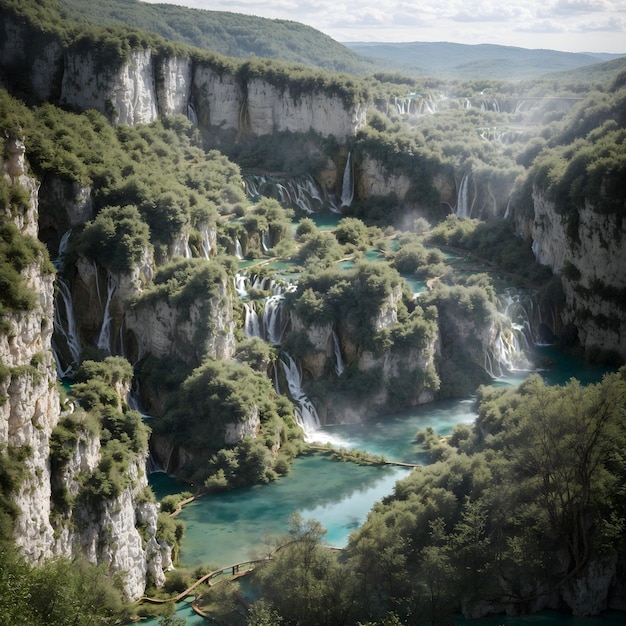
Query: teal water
[226,528]
[231,527]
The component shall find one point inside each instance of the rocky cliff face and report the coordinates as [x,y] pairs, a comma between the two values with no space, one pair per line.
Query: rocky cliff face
[31,407]
[590,257]
[463,194]
[147,85]
[28,417]
[391,366]
[162,329]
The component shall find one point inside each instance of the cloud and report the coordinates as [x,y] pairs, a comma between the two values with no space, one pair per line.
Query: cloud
[574,24]
[611,24]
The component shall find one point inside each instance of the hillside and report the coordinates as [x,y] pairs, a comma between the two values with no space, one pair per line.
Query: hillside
[230,34]
[452,60]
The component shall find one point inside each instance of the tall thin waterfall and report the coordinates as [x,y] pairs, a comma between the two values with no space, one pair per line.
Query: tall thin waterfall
[305,412]
[339,364]
[104,339]
[206,244]
[266,240]
[463,205]
[65,325]
[238,250]
[275,320]
[252,326]
[64,320]
[347,189]
[191,114]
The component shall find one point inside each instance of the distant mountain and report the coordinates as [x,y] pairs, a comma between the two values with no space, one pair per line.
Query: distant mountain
[453,60]
[225,33]
[244,36]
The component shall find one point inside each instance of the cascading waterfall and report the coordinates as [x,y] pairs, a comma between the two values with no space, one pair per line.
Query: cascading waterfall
[463,205]
[339,364]
[104,339]
[252,325]
[238,250]
[513,338]
[301,192]
[305,412]
[347,189]
[64,311]
[241,285]
[271,326]
[275,320]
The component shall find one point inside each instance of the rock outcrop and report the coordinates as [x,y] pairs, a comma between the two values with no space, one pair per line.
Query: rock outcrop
[143,85]
[28,416]
[590,257]
[409,367]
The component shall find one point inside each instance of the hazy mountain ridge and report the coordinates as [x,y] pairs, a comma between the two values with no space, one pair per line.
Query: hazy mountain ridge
[454,60]
[243,36]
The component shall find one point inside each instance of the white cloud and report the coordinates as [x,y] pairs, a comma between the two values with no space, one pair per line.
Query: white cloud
[558,24]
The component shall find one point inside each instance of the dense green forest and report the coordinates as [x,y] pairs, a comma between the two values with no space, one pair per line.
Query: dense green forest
[510,510]
[517,506]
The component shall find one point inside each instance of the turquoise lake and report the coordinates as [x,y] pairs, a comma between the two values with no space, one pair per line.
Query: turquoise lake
[227,528]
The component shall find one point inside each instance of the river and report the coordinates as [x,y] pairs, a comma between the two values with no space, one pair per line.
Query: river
[238,525]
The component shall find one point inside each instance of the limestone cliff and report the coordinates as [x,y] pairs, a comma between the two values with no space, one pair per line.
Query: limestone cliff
[29,414]
[30,409]
[189,333]
[395,366]
[144,84]
[590,256]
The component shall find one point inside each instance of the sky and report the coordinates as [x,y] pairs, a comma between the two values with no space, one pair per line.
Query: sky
[568,25]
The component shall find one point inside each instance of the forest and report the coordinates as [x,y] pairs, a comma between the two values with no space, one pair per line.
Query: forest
[511,512]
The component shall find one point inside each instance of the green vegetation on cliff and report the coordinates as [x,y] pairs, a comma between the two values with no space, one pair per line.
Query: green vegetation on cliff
[57,593]
[123,435]
[585,160]
[230,34]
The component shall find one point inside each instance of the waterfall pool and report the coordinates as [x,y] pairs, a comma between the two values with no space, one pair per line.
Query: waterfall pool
[234,526]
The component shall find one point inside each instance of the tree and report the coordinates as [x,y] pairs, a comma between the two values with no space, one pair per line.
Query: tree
[304,582]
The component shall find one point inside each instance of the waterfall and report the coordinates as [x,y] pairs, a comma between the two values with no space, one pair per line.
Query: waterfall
[347,189]
[192,116]
[339,365]
[463,206]
[68,331]
[153,466]
[305,412]
[104,339]
[238,250]
[302,192]
[275,320]
[206,244]
[95,273]
[266,241]
[134,402]
[513,338]
[240,285]
[252,326]
[63,243]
